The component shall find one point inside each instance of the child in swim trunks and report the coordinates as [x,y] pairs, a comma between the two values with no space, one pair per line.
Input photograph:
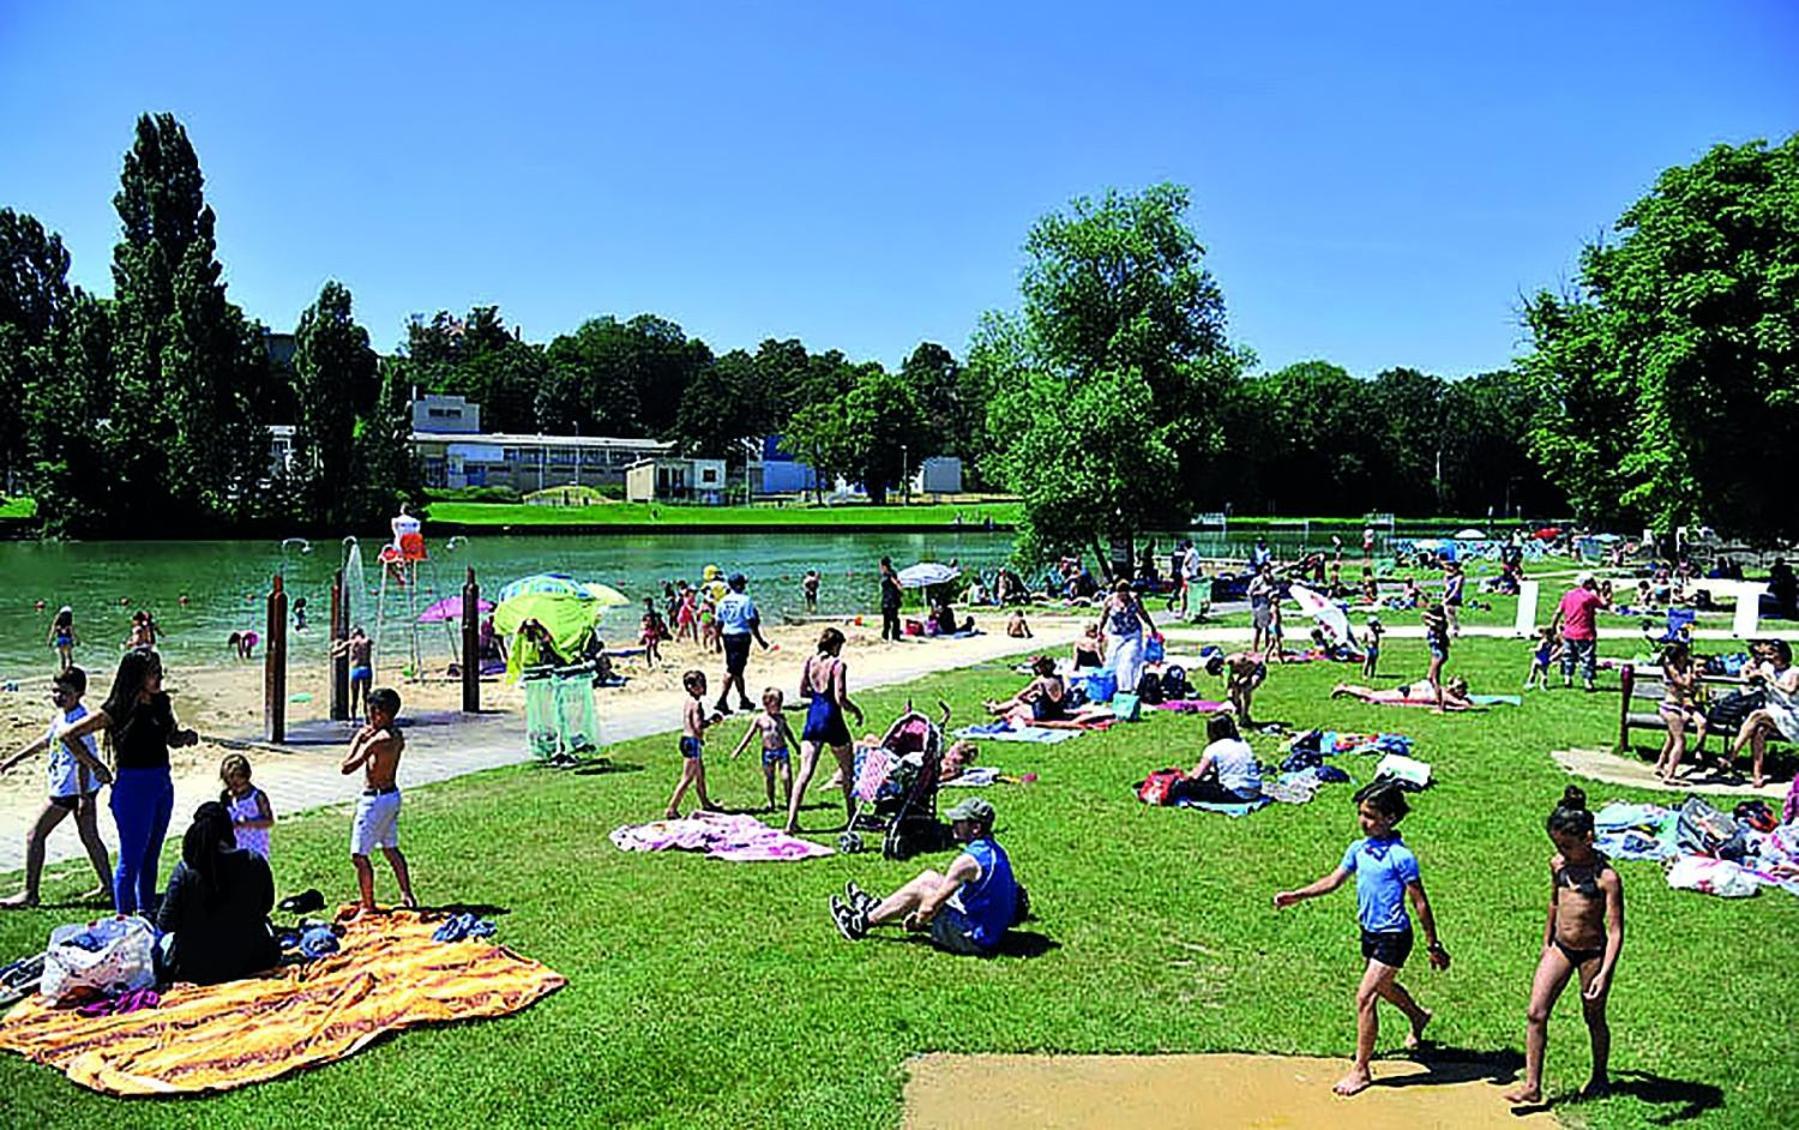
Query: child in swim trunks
[62,638]
[777,745]
[694,721]
[1386,875]
[1371,655]
[360,649]
[376,750]
[1585,935]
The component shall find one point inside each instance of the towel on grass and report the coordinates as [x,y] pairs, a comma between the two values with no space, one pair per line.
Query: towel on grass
[1496,699]
[977,777]
[1000,732]
[1241,808]
[389,975]
[738,838]
[1191,706]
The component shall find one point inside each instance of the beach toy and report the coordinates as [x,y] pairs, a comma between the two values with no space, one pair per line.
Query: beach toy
[858,621]
[1027,778]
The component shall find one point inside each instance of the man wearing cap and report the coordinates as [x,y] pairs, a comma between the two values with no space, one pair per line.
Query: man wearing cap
[1580,636]
[738,623]
[967,910]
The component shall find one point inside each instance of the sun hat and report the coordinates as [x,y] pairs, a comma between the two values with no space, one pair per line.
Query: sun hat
[1583,579]
[974,809]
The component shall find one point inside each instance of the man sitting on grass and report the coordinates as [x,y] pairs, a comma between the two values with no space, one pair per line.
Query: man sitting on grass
[965,911]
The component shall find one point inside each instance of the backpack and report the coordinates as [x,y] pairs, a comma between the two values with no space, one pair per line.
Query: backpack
[1174,683]
[1158,787]
[1150,689]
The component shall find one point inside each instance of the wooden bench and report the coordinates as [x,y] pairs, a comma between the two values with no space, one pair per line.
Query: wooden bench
[1645,682]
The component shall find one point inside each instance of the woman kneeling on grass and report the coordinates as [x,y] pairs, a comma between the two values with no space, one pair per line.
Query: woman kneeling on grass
[1386,875]
[1585,935]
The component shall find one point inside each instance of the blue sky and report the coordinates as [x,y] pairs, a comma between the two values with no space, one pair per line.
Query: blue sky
[1375,188]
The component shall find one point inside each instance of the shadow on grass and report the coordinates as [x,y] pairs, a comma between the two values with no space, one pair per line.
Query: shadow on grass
[600,767]
[1019,944]
[1687,1100]
[451,909]
[1445,1066]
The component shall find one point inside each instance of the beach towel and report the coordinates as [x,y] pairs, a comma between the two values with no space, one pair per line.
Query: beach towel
[978,777]
[734,837]
[1712,877]
[1243,808]
[390,975]
[1000,732]
[1192,706]
[1496,699]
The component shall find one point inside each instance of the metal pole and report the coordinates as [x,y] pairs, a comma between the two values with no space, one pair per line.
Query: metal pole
[471,644]
[340,664]
[274,667]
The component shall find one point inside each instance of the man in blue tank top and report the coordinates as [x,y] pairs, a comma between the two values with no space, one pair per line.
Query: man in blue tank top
[966,910]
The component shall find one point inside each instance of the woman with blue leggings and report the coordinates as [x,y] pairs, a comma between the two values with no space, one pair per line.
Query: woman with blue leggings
[141,724]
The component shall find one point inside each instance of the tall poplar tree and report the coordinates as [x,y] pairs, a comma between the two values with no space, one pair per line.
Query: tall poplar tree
[334,371]
[187,441]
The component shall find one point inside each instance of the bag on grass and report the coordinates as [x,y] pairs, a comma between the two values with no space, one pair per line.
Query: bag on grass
[100,959]
[1174,683]
[1702,829]
[1149,689]
[1412,775]
[1158,787]
[1126,707]
[1102,685]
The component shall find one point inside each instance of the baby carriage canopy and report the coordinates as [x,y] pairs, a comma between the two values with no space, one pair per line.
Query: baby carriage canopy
[896,786]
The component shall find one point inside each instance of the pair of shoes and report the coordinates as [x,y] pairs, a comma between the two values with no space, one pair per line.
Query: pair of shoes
[859,899]
[302,903]
[746,705]
[850,922]
[723,707]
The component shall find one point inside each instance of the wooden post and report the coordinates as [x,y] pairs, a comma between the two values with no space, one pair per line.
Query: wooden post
[1627,681]
[471,644]
[340,664]
[274,667]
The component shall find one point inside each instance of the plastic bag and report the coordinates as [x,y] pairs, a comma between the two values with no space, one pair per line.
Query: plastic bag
[99,959]
[1711,876]
[1403,769]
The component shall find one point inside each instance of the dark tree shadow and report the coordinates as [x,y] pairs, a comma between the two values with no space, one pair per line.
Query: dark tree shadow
[599,767]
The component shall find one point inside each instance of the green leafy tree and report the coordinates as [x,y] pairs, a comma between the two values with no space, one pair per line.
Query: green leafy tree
[334,371]
[1120,318]
[35,298]
[1669,377]
[886,431]
[187,441]
[388,472]
[70,473]
[721,408]
[620,378]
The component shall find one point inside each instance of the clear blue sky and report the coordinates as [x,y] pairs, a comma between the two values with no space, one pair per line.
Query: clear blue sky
[1376,184]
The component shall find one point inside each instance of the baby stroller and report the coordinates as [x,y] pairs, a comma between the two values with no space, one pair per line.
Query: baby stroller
[896,787]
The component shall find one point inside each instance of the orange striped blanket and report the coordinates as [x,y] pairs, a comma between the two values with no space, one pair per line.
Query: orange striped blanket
[388,976]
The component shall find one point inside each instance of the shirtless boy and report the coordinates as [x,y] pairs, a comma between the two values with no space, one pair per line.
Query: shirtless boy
[376,750]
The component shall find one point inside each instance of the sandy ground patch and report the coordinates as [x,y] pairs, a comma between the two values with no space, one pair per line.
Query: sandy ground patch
[1214,1092]
[1603,765]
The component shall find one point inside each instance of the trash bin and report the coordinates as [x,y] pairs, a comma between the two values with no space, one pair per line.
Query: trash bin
[577,722]
[541,721]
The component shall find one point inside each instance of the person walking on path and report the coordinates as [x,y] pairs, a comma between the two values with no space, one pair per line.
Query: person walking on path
[1124,620]
[141,722]
[1574,618]
[738,624]
[824,684]
[890,601]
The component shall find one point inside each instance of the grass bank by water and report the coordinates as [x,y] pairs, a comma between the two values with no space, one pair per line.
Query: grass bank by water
[677,517]
[718,995]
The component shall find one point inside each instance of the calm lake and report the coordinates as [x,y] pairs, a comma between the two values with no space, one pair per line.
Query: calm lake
[225,581]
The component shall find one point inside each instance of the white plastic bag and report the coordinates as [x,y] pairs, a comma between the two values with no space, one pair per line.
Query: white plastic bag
[103,958]
[1402,768]
[1712,876]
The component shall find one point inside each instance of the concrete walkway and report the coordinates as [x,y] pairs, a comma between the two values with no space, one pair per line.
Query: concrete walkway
[303,775]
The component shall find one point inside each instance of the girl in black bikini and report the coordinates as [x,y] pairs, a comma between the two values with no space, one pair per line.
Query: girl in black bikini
[1584,935]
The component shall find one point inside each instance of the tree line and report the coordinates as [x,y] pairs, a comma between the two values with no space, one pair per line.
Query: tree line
[1111,401]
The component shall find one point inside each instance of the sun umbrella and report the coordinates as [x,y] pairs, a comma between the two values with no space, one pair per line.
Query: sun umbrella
[927,573]
[569,620]
[607,596]
[1471,534]
[1548,533]
[1331,618]
[1428,544]
[450,608]
[554,584]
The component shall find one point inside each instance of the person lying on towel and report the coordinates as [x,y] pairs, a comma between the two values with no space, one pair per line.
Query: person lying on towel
[966,910]
[1455,694]
[1043,702]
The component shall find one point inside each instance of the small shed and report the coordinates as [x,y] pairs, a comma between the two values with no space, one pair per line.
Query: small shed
[675,479]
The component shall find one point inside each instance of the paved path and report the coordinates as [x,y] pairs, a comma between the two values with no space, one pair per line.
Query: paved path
[304,775]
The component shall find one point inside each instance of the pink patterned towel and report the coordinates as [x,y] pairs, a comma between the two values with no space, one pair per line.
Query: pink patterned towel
[741,839]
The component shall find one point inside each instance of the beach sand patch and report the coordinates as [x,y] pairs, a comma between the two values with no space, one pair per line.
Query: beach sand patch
[1603,765]
[1216,1092]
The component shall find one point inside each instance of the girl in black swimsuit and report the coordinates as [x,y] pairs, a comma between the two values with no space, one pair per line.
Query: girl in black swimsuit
[1584,936]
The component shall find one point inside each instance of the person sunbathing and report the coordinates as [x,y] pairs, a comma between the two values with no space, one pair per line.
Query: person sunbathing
[1043,702]
[1455,694]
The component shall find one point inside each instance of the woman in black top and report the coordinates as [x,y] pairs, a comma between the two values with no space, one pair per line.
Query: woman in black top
[217,906]
[140,726]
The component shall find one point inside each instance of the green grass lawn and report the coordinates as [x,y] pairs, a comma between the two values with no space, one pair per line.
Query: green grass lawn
[641,513]
[710,994]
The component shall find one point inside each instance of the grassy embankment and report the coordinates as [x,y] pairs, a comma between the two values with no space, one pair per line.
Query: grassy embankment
[706,994]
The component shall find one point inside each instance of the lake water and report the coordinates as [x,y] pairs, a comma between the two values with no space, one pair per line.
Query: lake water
[225,581]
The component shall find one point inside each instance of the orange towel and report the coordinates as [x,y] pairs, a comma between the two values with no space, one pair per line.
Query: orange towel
[389,975]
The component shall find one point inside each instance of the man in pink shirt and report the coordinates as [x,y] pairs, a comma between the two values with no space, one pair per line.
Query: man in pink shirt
[1580,636]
